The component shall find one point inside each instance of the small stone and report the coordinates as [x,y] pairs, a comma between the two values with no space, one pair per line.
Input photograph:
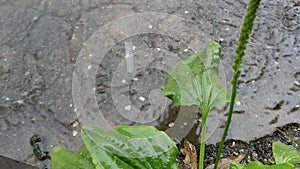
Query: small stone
[150,26]
[135,79]
[185,50]
[297,83]
[90,66]
[75,133]
[171,124]
[158,49]
[186,12]
[123,81]
[133,47]
[185,123]
[142,99]
[127,108]
[75,124]
[7,99]
[20,102]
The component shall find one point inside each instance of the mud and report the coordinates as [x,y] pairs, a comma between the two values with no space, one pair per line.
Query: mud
[41,40]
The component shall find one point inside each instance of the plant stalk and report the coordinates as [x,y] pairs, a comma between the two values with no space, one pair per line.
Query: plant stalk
[202,144]
[246,30]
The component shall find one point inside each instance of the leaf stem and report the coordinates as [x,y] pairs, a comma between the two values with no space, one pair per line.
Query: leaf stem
[202,144]
[238,58]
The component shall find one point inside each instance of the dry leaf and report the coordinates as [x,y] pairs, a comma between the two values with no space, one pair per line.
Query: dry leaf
[190,154]
[225,162]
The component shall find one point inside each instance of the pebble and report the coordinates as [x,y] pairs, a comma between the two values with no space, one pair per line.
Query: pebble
[75,133]
[33,119]
[127,108]
[75,124]
[297,83]
[142,99]
[171,124]
[20,102]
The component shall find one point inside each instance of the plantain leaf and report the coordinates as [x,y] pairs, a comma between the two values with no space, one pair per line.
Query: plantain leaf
[258,165]
[123,147]
[285,153]
[62,158]
[195,80]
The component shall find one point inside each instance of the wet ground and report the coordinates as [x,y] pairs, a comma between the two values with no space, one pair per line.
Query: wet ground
[42,42]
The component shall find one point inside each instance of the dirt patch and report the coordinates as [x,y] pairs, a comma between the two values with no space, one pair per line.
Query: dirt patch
[259,149]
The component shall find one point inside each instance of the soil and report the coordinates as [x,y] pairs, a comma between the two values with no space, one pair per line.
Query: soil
[259,149]
[43,44]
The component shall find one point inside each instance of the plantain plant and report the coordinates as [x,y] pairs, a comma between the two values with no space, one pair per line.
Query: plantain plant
[193,81]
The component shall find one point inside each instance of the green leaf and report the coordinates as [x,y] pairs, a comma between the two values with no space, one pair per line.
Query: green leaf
[195,80]
[285,153]
[129,147]
[123,147]
[62,158]
[258,165]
